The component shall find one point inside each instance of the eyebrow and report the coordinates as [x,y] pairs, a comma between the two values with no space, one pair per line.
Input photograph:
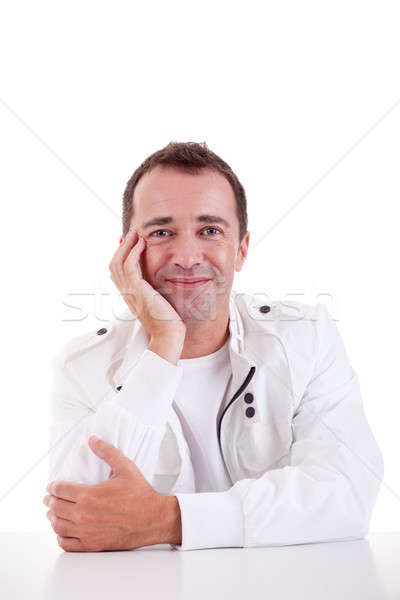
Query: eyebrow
[201,219]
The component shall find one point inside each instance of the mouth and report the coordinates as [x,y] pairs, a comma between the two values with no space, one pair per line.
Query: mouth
[188,283]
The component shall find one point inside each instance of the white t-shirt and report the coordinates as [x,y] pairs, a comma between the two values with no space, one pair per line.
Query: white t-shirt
[198,402]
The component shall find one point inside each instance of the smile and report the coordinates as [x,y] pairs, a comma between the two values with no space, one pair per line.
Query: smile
[188,283]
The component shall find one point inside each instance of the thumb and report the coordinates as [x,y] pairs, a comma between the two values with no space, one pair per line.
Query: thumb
[119,463]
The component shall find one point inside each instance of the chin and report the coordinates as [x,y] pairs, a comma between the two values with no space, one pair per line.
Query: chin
[195,307]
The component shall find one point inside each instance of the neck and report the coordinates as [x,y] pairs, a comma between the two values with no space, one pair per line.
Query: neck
[205,337]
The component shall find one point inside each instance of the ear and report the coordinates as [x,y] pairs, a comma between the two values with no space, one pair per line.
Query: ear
[242,251]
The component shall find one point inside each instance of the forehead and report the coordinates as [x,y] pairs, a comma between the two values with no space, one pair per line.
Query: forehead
[167,190]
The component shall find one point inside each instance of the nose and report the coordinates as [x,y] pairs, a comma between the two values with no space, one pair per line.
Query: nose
[187,251]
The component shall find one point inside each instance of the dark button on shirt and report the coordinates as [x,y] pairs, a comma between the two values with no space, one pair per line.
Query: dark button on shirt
[248,398]
[250,412]
[101,331]
[118,387]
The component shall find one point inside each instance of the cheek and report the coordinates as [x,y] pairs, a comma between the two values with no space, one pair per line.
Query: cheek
[222,255]
[223,259]
[151,260]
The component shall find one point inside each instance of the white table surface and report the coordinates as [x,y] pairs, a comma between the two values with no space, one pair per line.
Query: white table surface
[34,566]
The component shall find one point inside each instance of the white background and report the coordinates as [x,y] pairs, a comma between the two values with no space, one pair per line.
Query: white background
[302,99]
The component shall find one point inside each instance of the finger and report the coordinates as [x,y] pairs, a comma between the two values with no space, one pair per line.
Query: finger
[70,544]
[63,526]
[61,508]
[132,248]
[111,455]
[67,490]
[131,263]
[123,250]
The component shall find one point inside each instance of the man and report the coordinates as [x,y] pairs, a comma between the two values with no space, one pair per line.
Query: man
[222,421]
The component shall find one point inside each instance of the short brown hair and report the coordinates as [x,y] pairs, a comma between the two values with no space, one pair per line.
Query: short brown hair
[189,157]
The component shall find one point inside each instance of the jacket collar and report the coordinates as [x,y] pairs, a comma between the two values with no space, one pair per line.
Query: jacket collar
[241,357]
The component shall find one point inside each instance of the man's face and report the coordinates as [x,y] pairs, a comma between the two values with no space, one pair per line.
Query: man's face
[191,230]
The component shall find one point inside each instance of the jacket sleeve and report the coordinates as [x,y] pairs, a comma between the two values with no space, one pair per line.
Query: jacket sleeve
[327,490]
[134,420]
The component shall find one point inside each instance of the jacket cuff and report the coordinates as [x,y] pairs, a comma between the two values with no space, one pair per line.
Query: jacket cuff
[148,391]
[210,520]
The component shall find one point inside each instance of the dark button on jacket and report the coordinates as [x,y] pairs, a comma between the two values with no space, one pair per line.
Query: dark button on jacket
[101,331]
[250,412]
[248,398]
[265,308]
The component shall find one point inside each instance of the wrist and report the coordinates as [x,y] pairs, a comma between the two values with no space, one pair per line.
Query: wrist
[169,348]
[174,330]
[173,521]
[166,520]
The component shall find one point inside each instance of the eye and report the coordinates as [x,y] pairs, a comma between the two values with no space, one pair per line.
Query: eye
[165,231]
[212,229]
[158,231]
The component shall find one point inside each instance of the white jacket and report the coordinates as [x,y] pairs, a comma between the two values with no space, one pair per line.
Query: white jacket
[304,463]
